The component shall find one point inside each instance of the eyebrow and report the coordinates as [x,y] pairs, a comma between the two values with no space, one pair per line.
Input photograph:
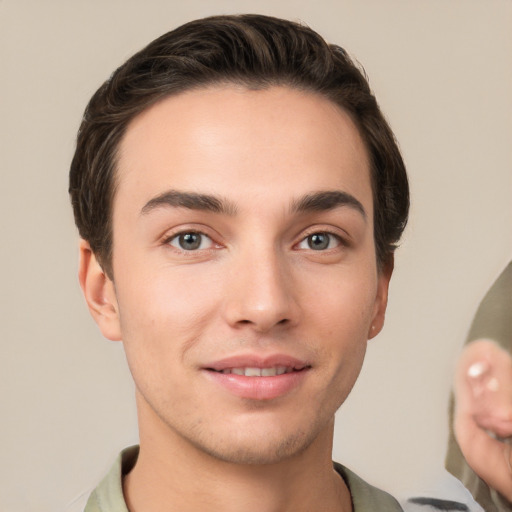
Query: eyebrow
[192,201]
[327,200]
[315,202]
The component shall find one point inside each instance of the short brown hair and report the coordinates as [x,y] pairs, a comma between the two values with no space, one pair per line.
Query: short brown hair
[251,50]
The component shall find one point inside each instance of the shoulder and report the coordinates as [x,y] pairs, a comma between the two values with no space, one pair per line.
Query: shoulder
[108,496]
[366,497]
[78,504]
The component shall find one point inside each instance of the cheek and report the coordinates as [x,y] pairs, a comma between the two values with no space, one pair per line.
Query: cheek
[343,301]
[343,317]
[165,311]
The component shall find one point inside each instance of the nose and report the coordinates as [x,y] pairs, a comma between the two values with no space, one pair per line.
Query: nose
[260,293]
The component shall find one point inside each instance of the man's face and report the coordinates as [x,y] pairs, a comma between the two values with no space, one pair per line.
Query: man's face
[246,283]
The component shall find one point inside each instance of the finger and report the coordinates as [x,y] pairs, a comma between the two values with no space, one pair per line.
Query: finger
[488,457]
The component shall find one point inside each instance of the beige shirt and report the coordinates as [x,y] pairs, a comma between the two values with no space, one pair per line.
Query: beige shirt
[108,496]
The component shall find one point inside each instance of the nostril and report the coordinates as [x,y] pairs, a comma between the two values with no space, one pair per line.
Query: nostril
[280,322]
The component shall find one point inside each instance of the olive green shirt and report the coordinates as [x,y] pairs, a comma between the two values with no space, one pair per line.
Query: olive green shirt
[108,496]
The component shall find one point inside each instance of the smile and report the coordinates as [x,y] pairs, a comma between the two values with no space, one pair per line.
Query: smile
[260,372]
[257,378]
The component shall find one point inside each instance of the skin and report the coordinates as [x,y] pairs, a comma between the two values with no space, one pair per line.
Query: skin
[483,412]
[254,286]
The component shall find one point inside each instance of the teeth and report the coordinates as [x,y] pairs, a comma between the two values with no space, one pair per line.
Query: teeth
[259,372]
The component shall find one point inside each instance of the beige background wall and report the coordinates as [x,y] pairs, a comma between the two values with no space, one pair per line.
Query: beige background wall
[441,70]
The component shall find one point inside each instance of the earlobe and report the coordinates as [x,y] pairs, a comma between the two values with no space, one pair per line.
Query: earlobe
[99,293]
[381,299]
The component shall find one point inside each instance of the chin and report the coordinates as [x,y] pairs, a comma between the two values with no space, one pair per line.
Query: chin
[258,444]
[255,453]
[257,437]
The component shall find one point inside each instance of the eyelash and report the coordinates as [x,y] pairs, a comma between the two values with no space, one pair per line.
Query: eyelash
[331,237]
[178,237]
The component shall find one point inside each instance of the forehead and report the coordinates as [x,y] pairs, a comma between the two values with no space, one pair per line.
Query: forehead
[259,142]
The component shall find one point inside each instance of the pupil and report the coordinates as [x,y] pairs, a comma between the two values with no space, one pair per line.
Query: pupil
[318,241]
[190,241]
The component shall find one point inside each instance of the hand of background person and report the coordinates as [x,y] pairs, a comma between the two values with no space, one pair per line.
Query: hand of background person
[483,412]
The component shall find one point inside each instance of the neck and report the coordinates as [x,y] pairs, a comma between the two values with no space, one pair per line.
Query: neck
[170,473]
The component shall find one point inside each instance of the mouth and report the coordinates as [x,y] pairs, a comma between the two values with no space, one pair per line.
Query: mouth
[257,378]
[250,371]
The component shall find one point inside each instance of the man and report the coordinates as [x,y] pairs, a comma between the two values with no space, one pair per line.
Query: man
[239,196]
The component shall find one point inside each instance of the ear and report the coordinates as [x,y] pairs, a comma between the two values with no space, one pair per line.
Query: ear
[381,298]
[99,293]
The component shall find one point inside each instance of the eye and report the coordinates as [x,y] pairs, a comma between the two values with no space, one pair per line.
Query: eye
[320,241]
[191,241]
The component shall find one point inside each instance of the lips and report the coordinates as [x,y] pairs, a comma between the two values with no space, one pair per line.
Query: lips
[258,372]
[257,378]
